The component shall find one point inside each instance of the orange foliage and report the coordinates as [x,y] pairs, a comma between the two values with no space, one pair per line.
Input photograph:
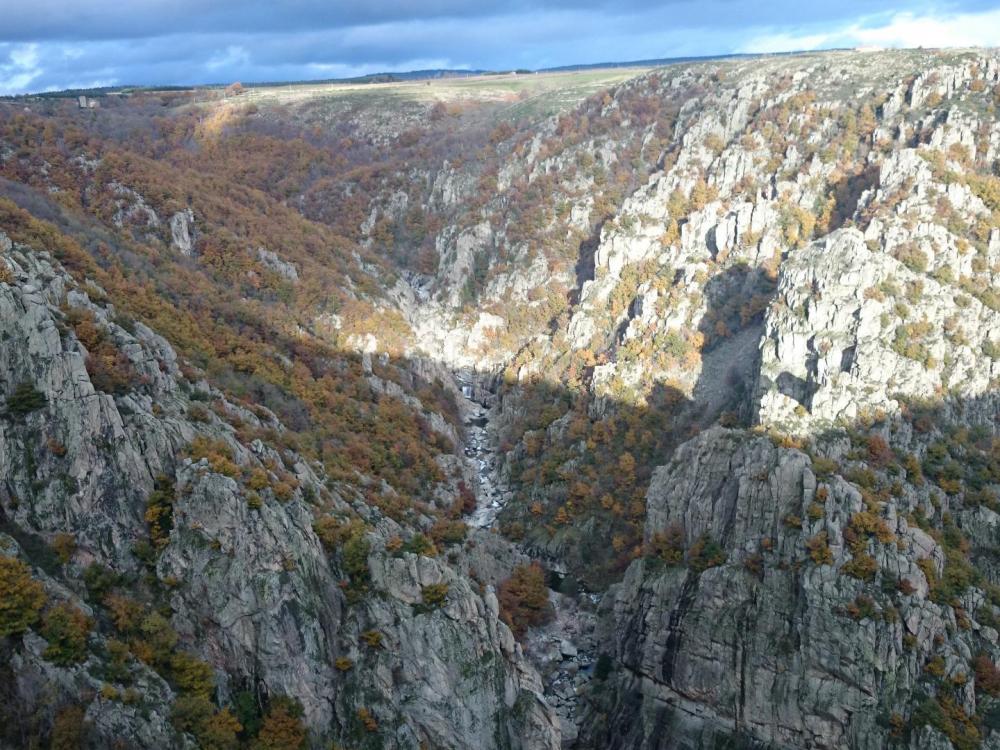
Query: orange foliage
[524,599]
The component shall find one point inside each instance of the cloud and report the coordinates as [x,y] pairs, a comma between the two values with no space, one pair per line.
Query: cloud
[50,44]
[107,19]
[954,30]
[906,29]
[20,68]
[234,56]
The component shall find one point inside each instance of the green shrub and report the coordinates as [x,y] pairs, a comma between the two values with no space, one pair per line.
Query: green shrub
[914,472]
[705,553]
[824,467]
[434,595]
[912,257]
[862,566]
[66,629]
[99,580]
[248,711]
[418,544]
[863,477]
[958,575]
[603,667]
[25,399]
[910,342]
[863,607]
[192,675]
[355,557]
[335,532]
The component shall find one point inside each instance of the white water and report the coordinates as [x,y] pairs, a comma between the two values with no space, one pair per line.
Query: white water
[481,456]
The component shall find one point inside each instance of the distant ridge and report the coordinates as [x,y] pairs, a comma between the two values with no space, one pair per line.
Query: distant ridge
[413,75]
[651,63]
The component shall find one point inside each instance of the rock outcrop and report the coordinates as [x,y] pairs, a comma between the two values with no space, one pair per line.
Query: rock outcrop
[182,231]
[836,345]
[767,635]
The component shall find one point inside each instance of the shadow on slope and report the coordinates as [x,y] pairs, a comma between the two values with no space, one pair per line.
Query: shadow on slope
[579,464]
[794,557]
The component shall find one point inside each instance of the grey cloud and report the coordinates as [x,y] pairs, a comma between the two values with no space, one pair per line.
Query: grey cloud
[107,19]
[48,44]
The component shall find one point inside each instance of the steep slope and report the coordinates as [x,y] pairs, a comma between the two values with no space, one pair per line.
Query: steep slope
[763,158]
[828,591]
[203,558]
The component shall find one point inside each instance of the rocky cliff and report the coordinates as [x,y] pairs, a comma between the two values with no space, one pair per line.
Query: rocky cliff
[173,531]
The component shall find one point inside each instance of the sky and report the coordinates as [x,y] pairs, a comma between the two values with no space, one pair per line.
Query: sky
[48,45]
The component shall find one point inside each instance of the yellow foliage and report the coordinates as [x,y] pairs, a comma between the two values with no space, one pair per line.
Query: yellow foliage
[21,597]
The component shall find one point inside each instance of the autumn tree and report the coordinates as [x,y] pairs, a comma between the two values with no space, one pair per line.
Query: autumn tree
[21,597]
[524,599]
[668,545]
[879,452]
[110,370]
[501,132]
[219,732]
[160,512]
[438,111]
[987,676]
[282,728]
[214,729]
[69,729]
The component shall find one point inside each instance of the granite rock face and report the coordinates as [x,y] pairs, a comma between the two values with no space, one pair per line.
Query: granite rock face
[108,451]
[765,645]
[835,345]
[250,588]
[182,231]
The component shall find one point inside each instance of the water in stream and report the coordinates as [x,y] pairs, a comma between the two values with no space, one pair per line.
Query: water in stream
[564,650]
[481,453]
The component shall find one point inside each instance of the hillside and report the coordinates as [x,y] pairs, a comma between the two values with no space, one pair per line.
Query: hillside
[609,408]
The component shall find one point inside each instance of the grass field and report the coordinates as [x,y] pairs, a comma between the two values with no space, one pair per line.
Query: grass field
[531,95]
